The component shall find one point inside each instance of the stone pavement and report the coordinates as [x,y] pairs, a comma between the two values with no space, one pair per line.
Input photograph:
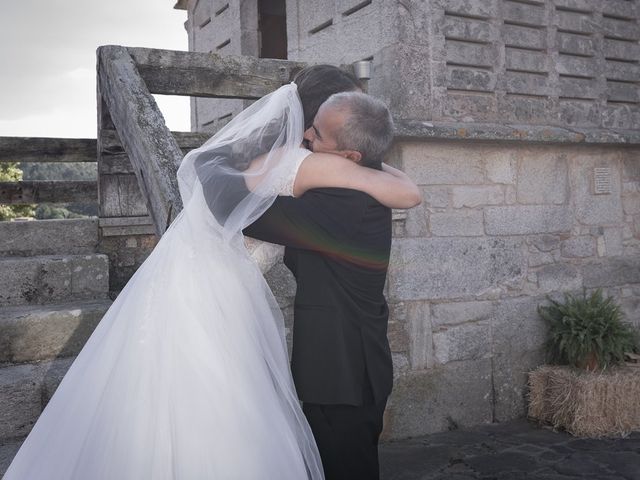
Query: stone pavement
[516,450]
[511,451]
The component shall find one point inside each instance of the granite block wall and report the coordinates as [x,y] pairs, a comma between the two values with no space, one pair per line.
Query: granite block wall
[503,223]
[543,62]
[501,227]
[227,28]
[560,62]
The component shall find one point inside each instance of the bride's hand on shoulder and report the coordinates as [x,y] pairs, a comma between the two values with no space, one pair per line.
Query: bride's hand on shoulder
[391,187]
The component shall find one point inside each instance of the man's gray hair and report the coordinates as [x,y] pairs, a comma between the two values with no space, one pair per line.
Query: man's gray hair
[368,126]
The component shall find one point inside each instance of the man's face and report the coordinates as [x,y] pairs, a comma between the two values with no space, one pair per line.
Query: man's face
[321,137]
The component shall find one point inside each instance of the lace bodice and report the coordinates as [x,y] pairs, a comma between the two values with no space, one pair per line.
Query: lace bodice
[266,255]
[285,187]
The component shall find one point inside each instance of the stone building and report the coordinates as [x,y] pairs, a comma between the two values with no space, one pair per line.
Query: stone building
[520,121]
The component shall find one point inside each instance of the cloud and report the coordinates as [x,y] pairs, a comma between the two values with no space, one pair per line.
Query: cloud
[56,121]
[47,57]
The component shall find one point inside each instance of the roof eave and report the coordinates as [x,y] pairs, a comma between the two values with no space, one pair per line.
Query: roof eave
[181,5]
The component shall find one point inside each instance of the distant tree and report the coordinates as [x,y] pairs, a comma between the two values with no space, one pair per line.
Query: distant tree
[46,211]
[9,172]
[14,172]
[59,171]
[62,171]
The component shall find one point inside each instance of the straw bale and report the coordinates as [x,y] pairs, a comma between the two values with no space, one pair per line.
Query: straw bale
[586,404]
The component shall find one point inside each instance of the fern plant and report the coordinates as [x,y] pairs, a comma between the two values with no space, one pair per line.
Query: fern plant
[587,332]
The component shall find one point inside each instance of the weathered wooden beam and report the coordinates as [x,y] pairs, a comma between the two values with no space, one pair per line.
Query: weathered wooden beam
[48,192]
[110,143]
[119,226]
[198,74]
[70,150]
[113,160]
[190,140]
[152,149]
[120,196]
[39,149]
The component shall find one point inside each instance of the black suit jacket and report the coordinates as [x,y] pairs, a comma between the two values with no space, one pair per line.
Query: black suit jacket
[337,246]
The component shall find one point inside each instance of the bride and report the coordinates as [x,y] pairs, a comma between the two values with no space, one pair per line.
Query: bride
[187,375]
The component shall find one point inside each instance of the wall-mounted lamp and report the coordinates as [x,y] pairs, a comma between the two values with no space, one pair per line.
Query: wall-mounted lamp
[362,69]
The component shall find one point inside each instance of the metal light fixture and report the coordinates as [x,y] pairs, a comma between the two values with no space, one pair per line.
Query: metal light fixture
[362,69]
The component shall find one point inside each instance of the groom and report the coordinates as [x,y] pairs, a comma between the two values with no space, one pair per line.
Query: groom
[337,246]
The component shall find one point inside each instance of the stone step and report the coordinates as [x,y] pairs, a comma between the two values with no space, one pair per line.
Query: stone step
[8,450]
[53,278]
[30,333]
[24,392]
[48,237]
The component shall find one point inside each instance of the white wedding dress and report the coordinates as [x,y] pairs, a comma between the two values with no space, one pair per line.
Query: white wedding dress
[187,375]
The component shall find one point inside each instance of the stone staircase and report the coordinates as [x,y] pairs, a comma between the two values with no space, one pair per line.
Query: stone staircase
[53,292]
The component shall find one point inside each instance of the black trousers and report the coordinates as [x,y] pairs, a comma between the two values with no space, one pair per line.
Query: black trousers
[347,438]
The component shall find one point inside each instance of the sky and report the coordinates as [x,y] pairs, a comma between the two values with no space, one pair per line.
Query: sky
[48,58]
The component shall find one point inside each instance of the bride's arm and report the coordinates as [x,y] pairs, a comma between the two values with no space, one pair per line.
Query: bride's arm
[391,187]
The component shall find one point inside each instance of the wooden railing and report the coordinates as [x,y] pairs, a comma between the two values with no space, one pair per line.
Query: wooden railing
[32,150]
[68,150]
[132,134]
[137,155]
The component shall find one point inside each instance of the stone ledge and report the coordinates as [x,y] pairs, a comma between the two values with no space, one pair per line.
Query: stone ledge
[24,392]
[126,226]
[423,130]
[8,450]
[34,333]
[53,278]
[49,237]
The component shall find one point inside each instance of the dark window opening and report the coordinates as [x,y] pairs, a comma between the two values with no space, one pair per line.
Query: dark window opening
[272,26]
[321,27]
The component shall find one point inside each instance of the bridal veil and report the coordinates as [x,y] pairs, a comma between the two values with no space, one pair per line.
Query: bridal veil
[187,376]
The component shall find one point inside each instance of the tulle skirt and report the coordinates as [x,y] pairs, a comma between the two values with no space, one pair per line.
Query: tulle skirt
[186,377]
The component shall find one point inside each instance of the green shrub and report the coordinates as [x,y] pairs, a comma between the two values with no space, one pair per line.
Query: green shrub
[587,332]
[9,172]
[11,212]
[59,171]
[45,211]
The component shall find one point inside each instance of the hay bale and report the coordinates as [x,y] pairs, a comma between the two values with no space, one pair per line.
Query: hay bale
[538,394]
[586,404]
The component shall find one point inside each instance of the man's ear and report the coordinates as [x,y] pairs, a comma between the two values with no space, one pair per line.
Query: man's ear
[352,155]
[308,134]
